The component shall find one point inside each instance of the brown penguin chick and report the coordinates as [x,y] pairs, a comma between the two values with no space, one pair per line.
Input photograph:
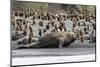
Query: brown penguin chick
[30,35]
[81,36]
[30,38]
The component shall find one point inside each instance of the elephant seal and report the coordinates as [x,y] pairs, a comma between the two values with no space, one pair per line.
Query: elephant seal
[54,40]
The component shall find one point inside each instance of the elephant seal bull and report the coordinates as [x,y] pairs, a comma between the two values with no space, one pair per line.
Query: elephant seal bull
[54,40]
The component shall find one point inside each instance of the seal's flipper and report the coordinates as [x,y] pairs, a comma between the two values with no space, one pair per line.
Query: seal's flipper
[61,42]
